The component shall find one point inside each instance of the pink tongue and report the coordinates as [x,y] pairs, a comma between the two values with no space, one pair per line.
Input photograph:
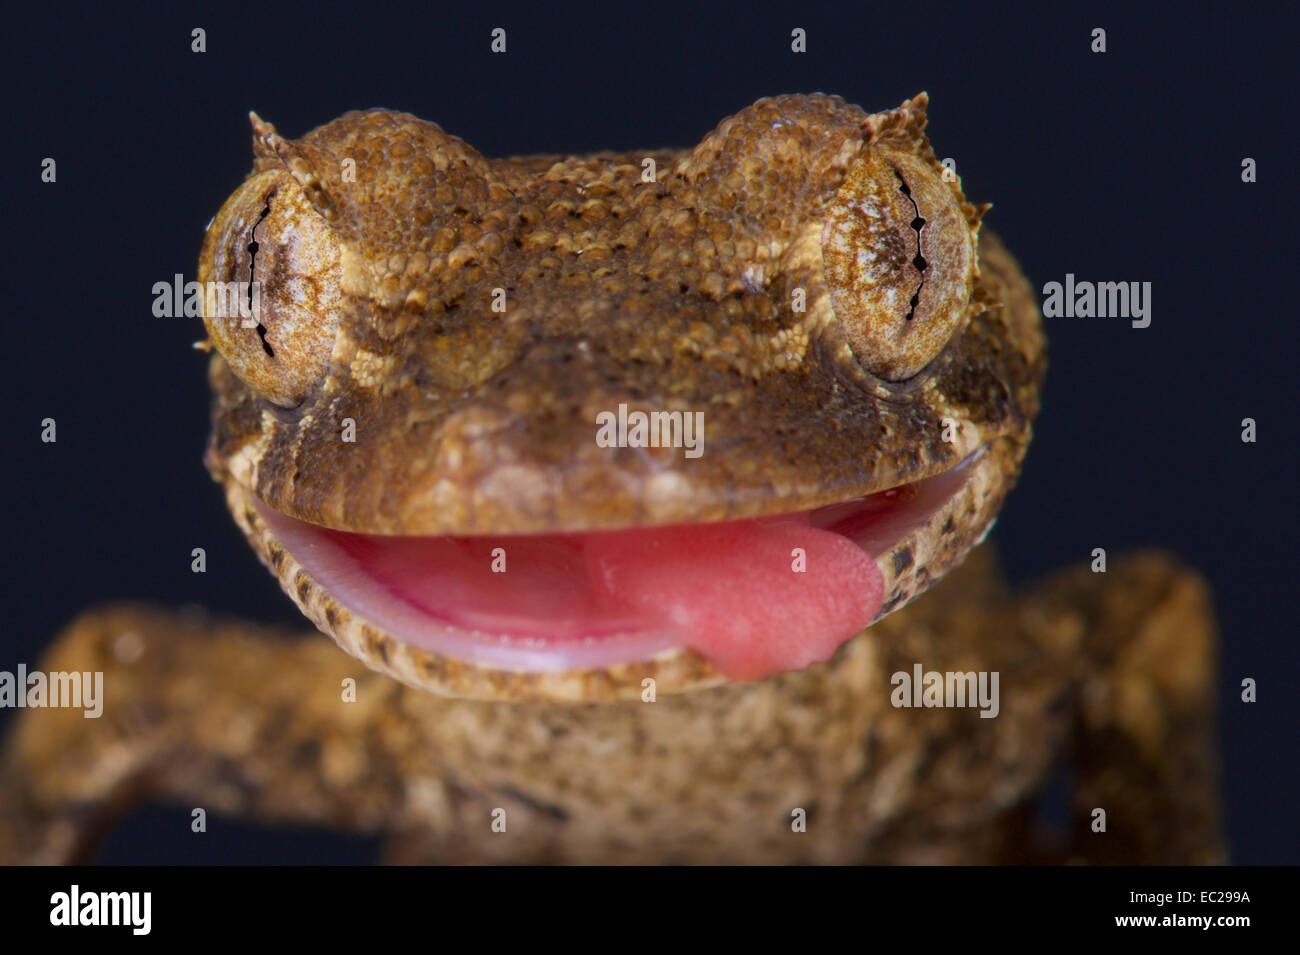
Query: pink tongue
[754,597]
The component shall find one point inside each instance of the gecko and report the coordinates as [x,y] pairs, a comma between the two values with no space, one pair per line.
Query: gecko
[637,487]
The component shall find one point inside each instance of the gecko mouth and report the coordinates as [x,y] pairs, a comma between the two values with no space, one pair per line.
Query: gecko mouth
[754,597]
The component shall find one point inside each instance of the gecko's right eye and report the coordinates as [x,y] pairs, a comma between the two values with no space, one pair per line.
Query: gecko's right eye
[271,269]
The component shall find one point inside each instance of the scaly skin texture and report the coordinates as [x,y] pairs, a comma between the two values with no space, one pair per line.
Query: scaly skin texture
[731,278]
[810,279]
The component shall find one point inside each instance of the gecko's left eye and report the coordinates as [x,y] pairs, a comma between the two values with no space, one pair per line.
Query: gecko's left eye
[274,266]
[899,256]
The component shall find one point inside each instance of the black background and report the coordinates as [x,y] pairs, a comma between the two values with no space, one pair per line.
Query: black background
[1123,166]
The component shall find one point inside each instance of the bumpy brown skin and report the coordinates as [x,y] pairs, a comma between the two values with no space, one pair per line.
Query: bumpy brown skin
[1108,674]
[672,293]
[727,282]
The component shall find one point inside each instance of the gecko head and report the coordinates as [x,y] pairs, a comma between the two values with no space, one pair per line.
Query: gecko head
[551,427]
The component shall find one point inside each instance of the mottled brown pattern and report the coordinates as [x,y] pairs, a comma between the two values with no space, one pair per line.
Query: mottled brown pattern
[671,294]
[674,292]
[242,719]
[671,291]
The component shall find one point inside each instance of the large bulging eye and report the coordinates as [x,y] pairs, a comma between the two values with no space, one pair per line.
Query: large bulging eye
[271,272]
[899,257]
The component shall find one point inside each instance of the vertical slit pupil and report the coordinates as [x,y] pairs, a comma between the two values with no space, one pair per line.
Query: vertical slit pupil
[253,248]
[919,263]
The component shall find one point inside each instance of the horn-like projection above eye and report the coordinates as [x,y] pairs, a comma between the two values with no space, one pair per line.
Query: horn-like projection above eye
[899,256]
